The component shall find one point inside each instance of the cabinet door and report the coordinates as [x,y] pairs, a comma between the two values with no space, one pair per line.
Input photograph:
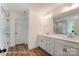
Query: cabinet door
[39,38]
[74,52]
[47,45]
[42,42]
[66,50]
[69,51]
[78,52]
[59,49]
[50,46]
[62,49]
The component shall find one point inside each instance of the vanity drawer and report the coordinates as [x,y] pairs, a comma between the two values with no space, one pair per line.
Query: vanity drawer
[68,43]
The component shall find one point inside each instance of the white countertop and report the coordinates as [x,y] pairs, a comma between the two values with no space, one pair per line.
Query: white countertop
[64,37]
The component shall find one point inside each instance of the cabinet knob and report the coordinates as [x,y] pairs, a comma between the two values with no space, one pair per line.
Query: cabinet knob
[41,40]
[64,49]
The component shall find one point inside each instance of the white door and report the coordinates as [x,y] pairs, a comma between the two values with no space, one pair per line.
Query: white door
[21,30]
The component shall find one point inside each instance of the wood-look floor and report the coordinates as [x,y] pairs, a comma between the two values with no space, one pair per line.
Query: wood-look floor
[22,50]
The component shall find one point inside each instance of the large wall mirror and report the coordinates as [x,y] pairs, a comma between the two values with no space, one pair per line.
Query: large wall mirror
[67,23]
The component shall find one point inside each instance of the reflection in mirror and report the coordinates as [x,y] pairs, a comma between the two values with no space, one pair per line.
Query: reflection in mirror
[61,27]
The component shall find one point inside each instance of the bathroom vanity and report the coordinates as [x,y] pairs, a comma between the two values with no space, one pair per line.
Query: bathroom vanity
[65,40]
[59,45]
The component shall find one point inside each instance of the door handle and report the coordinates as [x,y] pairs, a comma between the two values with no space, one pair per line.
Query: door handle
[16,33]
[7,33]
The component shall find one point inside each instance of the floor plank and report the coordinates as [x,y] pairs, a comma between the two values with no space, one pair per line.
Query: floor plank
[22,50]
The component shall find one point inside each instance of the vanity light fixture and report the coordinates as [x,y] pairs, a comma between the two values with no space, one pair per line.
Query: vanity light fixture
[48,16]
[44,18]
[66,9]
[73,6]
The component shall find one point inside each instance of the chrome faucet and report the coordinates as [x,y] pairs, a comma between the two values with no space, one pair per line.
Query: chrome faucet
[72,34]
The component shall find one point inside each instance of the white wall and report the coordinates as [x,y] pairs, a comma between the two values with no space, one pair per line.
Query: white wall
[38,24]
[33,28]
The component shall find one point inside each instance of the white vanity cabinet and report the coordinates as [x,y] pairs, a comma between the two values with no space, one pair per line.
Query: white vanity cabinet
[62,48]
[74,52]
[58,47]
[50,46]
[46,43]
[42,42]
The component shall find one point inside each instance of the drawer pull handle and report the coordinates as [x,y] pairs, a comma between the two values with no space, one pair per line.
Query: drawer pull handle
[41,40]
[65,50]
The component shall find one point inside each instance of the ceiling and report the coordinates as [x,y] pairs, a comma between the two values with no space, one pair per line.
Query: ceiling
[39,7]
